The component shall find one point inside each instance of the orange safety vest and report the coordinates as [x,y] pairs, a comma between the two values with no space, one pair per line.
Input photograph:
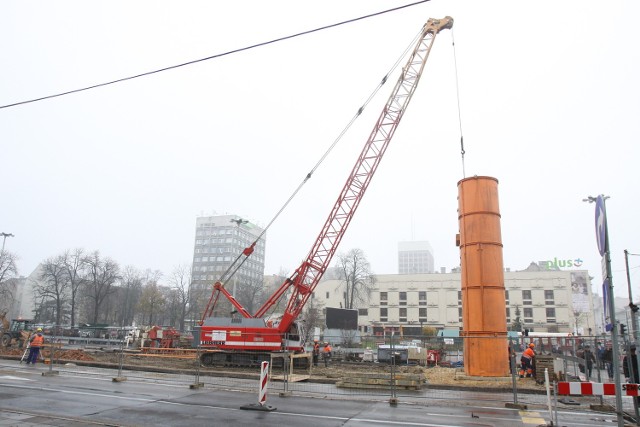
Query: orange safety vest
[37,340]
[327,349]
[528,353]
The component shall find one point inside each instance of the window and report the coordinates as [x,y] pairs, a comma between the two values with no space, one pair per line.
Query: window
[422,298]
[403,298]
[508,314]
[363,312]
[327,295]
[383,298]
[383,314]
[548,297]
[506,296]
[460,314]
[403,314]
[526,297]
[528,315]
[422,313]
[551,315]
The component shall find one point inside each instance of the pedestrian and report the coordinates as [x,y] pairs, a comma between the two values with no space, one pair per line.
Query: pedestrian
[600,355]
[316,352]
[326,353]
[608,361]
[35,342]
[634,366]
[589,358]
[631,372]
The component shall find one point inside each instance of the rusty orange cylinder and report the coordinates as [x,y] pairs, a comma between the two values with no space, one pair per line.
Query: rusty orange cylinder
[484,319]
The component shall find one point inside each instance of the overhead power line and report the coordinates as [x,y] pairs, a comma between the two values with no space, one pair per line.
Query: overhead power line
[212,56]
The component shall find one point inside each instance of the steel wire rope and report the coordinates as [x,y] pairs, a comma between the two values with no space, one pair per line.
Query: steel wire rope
[455,63]
[195,61]
[232,269]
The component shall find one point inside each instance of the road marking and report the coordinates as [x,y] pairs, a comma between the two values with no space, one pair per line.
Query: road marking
[9,377]
[531,417]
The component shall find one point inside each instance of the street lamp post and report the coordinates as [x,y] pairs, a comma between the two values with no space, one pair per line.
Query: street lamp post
[238,222]
[4,238]
[633,307]
[602,235]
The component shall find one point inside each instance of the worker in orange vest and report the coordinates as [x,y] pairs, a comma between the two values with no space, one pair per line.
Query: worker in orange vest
[35,342]
[326,353]
[526,361]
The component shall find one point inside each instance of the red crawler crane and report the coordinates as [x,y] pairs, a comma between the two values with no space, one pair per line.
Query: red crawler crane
[249,339]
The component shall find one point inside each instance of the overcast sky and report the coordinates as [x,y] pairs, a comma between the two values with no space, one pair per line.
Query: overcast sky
[549,99]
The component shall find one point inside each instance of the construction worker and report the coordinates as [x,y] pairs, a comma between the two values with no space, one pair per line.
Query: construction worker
[526,361]
[316,352]
[326,353]
[35,342]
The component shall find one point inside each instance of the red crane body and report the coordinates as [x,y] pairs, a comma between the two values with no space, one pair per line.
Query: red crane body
[235,339]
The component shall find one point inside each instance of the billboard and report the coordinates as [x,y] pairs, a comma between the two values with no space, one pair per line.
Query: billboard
[580,292]
[341,318]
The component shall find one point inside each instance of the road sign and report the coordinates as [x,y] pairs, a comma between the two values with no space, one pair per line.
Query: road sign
[601,225]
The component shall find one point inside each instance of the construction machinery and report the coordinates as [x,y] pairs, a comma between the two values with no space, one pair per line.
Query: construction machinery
[18,330]
[248,339]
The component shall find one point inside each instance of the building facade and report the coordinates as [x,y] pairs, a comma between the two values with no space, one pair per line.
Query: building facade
[415,257]
[536,299]
[219,240]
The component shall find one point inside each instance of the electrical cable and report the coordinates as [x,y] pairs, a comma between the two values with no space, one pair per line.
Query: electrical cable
[212,56]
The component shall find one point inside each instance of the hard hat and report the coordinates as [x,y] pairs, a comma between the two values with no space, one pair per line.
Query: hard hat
[39,330]
[532,345]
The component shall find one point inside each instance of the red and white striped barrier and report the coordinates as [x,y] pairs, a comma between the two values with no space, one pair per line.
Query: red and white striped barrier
[264,382]
[262,393]
[595,389]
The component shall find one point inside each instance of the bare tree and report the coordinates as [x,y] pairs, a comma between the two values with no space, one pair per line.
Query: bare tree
[180,281]
[357,277]
[250,294]
[102,275]
[74,265]
[8,271]
[152,301]
[311,318]
[130,290]
[53,286]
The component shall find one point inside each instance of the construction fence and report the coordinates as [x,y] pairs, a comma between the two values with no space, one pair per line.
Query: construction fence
[415,368]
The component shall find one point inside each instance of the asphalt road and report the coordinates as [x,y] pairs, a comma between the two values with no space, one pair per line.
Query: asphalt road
[27,398]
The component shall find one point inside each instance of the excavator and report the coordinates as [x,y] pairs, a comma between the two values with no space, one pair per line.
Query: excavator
[249,339]
[16,331]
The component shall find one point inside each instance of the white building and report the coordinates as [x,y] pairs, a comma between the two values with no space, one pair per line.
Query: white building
[219,240]
[415,257]
[548,301]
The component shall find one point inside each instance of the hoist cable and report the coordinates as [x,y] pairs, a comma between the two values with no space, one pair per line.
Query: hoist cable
[232,270]
[455,63]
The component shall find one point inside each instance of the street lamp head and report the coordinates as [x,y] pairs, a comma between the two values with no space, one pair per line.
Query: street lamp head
[591,199]
[239,221]
[6,235]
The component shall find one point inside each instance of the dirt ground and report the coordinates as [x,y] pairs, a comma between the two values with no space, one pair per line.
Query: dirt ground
[442,376]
